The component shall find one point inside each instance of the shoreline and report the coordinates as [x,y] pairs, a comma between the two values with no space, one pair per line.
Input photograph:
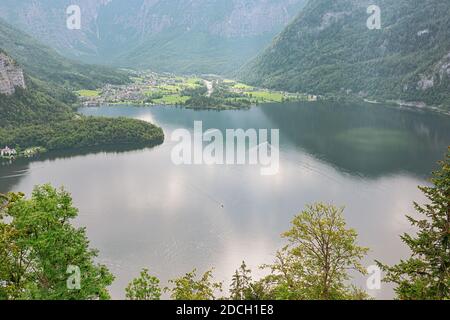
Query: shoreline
[411,106]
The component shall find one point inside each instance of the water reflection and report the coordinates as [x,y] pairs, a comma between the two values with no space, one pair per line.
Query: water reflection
[142,211]
[365,139]
[359,139]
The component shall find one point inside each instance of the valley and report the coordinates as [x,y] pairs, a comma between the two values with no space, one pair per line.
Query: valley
[198,92]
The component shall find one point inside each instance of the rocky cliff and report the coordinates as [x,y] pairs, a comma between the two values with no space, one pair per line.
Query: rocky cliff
[11,75]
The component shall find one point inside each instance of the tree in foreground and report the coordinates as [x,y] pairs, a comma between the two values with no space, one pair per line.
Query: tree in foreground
[316,263]
[426,274]
[241,284]
[42,256]
[190,288]
[146,287]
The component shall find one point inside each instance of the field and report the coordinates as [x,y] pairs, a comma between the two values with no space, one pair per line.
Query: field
[88,93]
[173,99]
[266,96]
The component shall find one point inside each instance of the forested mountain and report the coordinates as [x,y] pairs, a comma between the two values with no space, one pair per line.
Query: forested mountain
[208,36]
[329,48]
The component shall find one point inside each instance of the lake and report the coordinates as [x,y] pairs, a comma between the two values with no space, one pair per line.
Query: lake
[141,210]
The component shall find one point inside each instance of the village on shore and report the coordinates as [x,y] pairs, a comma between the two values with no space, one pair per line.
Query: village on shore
[10,154]
[150,88]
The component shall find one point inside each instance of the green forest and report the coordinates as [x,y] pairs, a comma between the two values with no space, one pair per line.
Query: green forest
[83,132]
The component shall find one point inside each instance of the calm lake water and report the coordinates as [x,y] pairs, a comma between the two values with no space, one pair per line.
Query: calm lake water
[140,210]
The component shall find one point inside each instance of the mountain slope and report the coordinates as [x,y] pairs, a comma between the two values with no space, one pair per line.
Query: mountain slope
[328,48]
[34,110]
[177,35]
[47,65]
[31,106]
[23,101]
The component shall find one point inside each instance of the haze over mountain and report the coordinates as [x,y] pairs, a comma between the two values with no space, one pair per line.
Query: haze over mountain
[330,49]
[207,36]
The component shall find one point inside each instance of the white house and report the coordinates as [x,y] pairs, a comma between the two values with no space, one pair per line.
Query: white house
[312,98]
[7,152]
